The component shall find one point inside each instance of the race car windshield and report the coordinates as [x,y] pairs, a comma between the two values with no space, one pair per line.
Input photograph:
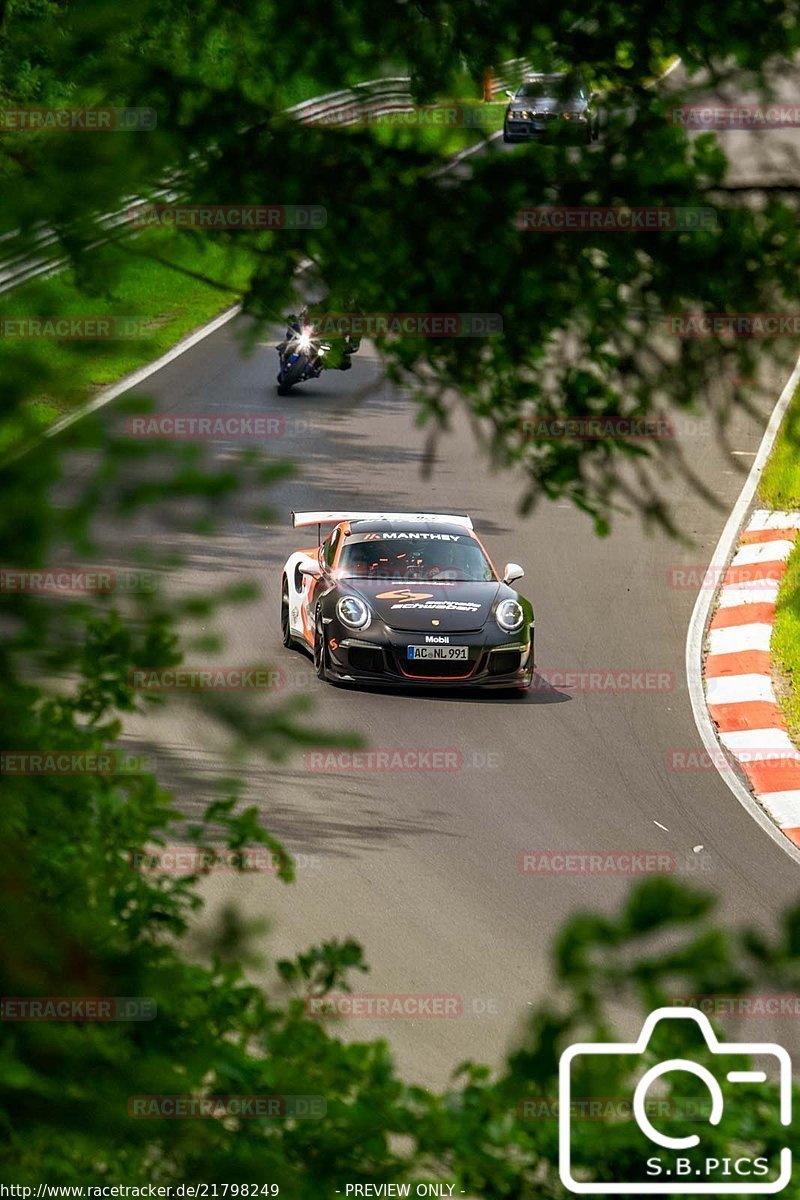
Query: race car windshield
[448,557]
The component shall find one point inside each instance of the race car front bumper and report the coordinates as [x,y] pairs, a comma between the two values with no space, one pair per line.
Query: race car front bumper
[506,664]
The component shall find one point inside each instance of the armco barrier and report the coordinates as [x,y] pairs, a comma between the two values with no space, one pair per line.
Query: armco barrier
[390,94]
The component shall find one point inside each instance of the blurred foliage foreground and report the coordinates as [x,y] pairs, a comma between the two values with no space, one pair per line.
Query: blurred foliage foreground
[594,323]
[75,919]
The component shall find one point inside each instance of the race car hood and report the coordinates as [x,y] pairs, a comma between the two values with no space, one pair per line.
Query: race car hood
[457,607]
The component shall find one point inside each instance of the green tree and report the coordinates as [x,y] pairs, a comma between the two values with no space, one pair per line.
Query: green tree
[76,919]
[584,316]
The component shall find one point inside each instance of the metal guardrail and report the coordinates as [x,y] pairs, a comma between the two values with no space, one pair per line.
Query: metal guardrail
[346,107]
[16,269]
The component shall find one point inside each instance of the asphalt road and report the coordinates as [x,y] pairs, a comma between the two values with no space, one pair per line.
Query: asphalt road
[423,867]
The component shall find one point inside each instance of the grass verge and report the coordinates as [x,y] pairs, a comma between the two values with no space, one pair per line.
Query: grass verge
[144,308]
[786,645]
[780,488]
[165,303]
[780,483]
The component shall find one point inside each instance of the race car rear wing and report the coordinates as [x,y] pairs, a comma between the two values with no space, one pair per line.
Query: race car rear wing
[333,518]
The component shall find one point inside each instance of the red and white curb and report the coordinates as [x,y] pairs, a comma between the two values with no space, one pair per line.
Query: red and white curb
[737,668]
[699,630]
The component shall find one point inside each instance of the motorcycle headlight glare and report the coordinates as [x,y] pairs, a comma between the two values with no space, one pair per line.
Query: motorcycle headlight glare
[509,615]
[353,612]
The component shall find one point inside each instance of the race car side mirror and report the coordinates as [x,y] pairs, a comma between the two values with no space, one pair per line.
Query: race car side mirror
[311,568]
[509,94]
[512,571]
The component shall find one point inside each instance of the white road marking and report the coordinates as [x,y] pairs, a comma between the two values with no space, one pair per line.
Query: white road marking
[462,154]
[665,74]
[128,381]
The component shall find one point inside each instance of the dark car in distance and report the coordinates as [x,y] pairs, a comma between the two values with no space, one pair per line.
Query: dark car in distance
[547,106]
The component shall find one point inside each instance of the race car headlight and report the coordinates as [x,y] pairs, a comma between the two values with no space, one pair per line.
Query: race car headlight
[509,615]
[353,612]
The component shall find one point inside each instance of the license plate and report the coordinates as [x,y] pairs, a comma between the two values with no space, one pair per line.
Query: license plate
[439,652]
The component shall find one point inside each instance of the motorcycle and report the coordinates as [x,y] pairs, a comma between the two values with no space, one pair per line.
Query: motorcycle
[301,355]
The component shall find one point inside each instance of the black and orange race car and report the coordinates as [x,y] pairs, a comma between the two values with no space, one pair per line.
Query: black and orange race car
[407,599]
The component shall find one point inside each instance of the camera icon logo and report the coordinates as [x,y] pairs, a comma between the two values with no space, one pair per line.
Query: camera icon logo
[674,1159]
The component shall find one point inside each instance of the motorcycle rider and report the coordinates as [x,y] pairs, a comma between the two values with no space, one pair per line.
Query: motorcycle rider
[294,326]
[342,347]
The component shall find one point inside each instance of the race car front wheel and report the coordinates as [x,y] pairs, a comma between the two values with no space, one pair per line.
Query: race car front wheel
[319,647]
[286,629]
